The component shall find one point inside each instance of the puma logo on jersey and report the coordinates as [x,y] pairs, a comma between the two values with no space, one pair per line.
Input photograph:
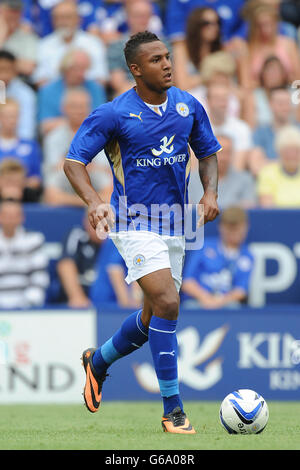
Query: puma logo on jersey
[165,146]
[136,115]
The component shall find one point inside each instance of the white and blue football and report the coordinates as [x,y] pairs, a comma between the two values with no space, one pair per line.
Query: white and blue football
[244,412]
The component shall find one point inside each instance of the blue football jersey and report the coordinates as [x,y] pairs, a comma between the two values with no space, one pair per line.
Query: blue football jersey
[148,154]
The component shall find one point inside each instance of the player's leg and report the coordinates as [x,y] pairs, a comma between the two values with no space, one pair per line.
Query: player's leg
[131,335]
[161,293]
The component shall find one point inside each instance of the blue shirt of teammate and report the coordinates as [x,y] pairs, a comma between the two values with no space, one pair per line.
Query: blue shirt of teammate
[217,271]
[148,153]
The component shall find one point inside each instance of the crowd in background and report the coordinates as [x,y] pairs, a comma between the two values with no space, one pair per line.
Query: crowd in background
[59,59]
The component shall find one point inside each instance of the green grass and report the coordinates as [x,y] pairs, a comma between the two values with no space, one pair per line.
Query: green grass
[136,426]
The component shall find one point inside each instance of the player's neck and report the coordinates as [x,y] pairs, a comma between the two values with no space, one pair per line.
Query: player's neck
[150,96]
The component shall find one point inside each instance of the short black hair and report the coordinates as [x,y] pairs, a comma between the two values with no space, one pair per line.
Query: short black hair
[6,55]
[134,42]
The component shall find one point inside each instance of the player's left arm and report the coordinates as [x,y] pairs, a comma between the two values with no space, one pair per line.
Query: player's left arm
[208,172]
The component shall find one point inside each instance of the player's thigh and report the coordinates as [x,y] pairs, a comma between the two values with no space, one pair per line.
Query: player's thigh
[161,295]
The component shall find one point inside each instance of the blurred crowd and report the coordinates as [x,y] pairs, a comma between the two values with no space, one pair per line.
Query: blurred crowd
[60,59]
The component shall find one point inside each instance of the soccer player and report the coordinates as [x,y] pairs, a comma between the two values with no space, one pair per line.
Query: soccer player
[146,133]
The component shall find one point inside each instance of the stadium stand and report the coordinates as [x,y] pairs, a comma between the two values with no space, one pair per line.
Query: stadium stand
[70,46]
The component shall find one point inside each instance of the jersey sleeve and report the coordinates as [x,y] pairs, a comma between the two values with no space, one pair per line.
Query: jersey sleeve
[202,139]
[94,133]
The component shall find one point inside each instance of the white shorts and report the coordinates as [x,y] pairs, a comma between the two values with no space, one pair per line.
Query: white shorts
[146,252]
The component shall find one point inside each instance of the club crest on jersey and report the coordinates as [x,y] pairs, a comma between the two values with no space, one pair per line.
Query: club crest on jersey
[139,260]
[165,146]
[182,109]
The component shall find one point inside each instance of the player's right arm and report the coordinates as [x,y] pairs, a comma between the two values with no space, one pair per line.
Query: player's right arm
[79,178]
[92,136]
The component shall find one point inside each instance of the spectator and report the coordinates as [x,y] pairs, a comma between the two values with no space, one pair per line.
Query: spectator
[232,24]
[240,132]
[110,286]
[26,151]
[21,92]
[219,68]
[76,267]
[66,36]
[273,75]
[218,276]
[279,182]
[23,268]
[58,191]
[113,22]
[264,41]
[73,70]
[236,187]
[13,182]
[37,14]
[138,14]
[13,38]
[203,37]
[283,114]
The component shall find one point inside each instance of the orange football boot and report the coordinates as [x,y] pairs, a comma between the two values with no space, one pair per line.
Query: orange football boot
[93,386]
[176,422]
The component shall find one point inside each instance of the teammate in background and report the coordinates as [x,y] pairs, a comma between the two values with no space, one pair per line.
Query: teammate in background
[146,133]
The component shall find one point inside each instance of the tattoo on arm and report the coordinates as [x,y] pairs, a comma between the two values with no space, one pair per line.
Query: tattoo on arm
[208,172]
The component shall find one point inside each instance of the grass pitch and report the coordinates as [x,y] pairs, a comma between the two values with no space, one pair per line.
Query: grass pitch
[136,426]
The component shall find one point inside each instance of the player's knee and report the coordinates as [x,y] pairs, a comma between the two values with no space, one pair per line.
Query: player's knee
[166,306]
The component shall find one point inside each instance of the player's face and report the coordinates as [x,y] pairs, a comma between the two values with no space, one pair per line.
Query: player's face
[154,67]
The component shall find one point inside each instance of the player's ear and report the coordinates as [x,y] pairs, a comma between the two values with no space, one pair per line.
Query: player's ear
[135,70]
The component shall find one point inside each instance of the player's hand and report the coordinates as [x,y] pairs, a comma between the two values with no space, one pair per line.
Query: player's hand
[209,209]
[102,218]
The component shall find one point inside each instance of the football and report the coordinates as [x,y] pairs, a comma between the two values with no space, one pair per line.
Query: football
[244,412]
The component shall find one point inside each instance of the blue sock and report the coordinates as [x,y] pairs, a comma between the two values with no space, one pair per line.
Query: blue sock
[163,345]
[131,336]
